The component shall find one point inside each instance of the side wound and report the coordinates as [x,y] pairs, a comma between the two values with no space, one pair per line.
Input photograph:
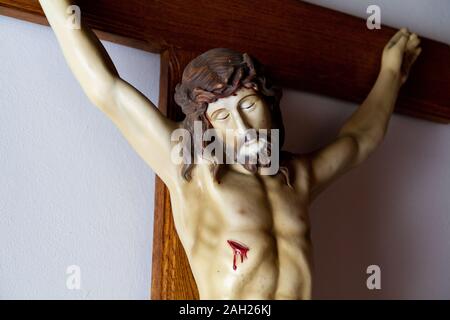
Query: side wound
[238,249]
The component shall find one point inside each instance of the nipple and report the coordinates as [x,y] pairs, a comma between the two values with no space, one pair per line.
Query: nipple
[238,249]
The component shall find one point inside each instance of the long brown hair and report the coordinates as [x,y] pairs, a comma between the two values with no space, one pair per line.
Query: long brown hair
[218,73]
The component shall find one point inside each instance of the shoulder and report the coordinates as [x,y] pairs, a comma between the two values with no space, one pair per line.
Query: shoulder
[299,166]
[189,180]
[301,163]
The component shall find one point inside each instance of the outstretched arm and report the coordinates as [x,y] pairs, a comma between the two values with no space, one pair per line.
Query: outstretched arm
[145,128]
[366,128]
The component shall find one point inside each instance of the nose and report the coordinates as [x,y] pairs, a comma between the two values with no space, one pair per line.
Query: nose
[240,124]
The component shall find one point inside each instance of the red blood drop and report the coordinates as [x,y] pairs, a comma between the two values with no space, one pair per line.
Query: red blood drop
[238,249]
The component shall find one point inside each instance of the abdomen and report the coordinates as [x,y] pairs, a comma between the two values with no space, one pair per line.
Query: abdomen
[271,270]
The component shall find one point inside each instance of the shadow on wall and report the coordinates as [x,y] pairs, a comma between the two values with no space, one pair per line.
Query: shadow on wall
[392,211]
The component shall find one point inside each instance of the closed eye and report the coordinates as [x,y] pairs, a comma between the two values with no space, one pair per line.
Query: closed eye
[247,106]
[223,117]
[220,115]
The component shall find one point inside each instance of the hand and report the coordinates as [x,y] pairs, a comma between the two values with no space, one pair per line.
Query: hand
[400,53]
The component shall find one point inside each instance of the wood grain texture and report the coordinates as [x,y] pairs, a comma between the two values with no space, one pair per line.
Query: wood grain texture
[171,274]
[303,46]
[36,16]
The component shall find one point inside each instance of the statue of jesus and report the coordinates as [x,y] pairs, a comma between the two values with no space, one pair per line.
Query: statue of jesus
[244,224]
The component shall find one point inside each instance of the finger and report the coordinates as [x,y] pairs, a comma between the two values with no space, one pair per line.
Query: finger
[409,61]
[400,34]
[414,36]
[402,42]
[413,41]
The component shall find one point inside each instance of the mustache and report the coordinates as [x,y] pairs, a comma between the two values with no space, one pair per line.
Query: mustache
[253,150]
[251,136]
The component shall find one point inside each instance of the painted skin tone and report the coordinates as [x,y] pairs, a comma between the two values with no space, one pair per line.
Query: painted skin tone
[259,212]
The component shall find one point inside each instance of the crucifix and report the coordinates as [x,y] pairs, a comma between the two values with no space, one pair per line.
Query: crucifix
[146,27]
[260,214]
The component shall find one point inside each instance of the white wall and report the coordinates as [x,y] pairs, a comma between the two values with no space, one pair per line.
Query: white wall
[394,210]
[72,191]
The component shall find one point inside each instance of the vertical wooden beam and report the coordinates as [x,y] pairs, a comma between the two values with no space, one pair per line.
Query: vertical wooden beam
[172,278]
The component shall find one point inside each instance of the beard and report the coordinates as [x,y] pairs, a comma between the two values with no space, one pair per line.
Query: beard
[254,152]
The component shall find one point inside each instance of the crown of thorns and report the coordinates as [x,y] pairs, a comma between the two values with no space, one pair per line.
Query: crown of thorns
[194,100]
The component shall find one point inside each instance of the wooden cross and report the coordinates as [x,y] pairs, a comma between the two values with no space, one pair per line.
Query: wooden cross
[303,46]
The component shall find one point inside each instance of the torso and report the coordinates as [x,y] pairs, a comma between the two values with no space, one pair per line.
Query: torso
[259,212]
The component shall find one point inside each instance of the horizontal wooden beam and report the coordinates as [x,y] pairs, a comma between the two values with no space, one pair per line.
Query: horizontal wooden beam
[304,46]
[39,18]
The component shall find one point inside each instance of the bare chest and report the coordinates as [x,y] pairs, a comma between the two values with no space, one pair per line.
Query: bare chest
[251,226]
[242,202]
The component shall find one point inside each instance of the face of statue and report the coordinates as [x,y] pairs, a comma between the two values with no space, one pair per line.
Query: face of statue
[236,114]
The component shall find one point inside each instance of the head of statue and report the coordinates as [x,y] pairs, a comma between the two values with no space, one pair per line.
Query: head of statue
[229,92]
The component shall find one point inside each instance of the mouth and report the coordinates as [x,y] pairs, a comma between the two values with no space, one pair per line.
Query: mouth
[251,142]
[252,147]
